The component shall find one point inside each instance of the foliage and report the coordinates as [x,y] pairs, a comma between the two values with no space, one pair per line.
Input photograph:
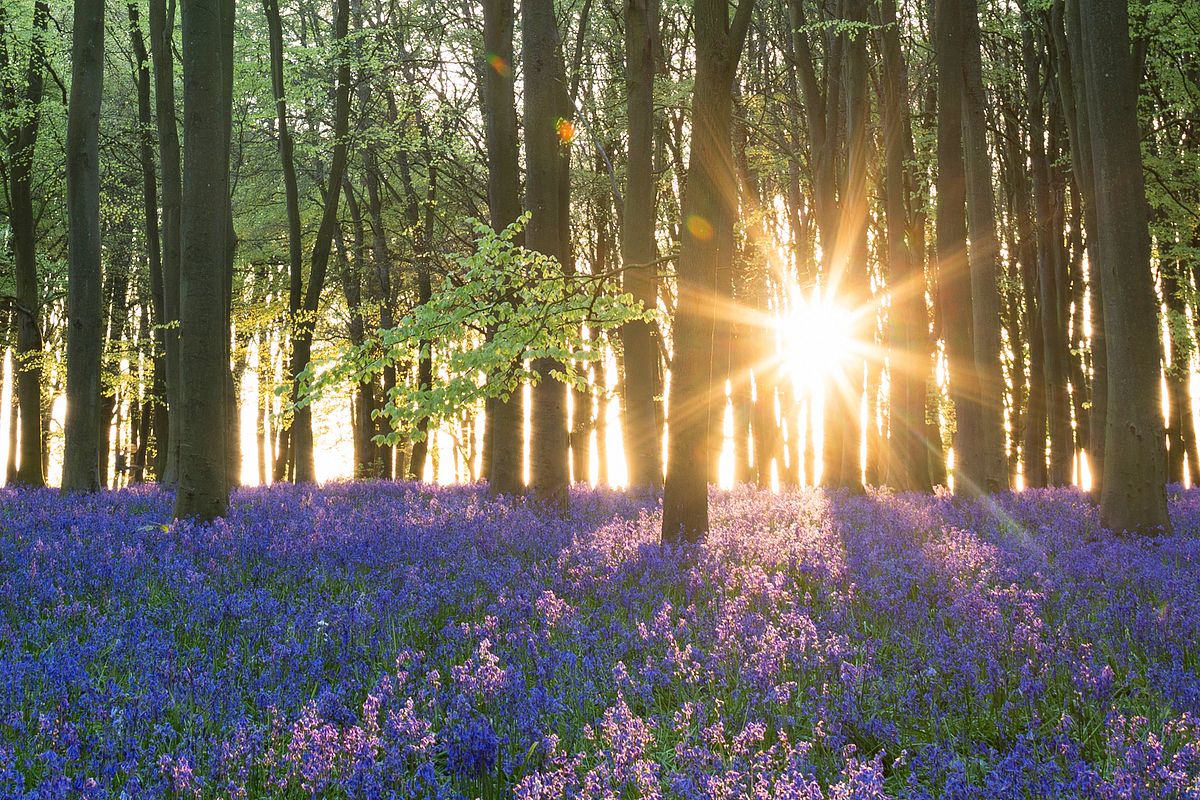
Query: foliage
[502,308]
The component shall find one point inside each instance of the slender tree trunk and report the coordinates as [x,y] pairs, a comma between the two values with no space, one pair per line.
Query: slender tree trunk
[709,203]
[14,414]
[28,355]
[203,491]
[540,48]
[302,339]
[162,27]
[1134,471]
[984,258]
[847,277]
[84,306]
[287,162]
[424,372]
[504,429]
[361,403]
[1073,89]
[909,320]
[382,457]
[233,419]
[1180,432]
[953,267]
[117,281]
[156,400]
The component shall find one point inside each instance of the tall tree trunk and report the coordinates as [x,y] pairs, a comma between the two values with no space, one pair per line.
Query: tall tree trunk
[984,258]
[1132,498]
[709,204]
[847,277]
[22,141]
[302,339]
[162,37]
[1073,90]
[117,281]
[541,54]
[287,162]
[381,256]
[84,305]
[1180,428]
[362,401]
[233,419]
[156,400]
[504,430]
[953,267]
[14,413]
[909,320]
[203,491]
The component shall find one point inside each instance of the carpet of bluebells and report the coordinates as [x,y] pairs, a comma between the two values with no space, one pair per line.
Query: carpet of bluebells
[377,640]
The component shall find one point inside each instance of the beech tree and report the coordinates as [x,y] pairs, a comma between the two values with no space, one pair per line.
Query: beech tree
[1133,498]
[708,207]
[203,489]
[23,114]
[81,469]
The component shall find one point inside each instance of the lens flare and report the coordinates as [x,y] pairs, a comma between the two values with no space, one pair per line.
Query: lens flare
[566,131]
[699,227]
[499,65]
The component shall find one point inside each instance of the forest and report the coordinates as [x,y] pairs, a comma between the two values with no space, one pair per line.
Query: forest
[755,335]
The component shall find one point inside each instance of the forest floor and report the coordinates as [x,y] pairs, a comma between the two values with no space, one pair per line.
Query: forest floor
[391,640]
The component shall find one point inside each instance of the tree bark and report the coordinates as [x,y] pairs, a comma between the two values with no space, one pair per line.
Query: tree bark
[709,204]
[504,428]
[908,354]
[540,48]
[1132,498]
[156,400]
[847,277]
[1073,89]
[287,162]
[951,247]
[162,28]
[302,339]
[1181,434]
[22,141]
[203,490]
[984,258]
[84,303]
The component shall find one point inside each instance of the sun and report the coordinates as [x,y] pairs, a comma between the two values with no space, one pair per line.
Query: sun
[816,340]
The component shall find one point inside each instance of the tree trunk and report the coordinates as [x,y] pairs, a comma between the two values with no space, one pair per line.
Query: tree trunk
[233,419]
[1180,429]
[116,298]
[287,162]
[203,491]
[847,277]
[1134,471]
[156,400]
[381,459]
[504,427]
[548,454]
[953,267]
[984,258]
[302,338]
[362,401]
[14,415]
[84,305]
[1073,90]
[709,203]
[909,321]
[27,362]
[162,28]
